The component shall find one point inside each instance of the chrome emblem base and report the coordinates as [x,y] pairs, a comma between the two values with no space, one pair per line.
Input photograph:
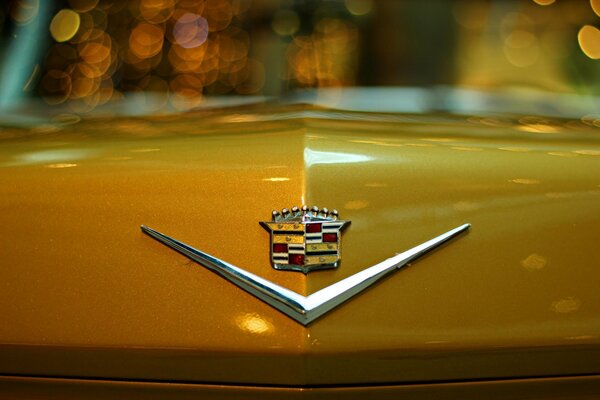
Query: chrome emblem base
[305,309]
[305,239]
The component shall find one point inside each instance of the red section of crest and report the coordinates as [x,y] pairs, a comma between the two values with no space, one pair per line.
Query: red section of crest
[329,237]
[296,259]
[280,248]
[313,228]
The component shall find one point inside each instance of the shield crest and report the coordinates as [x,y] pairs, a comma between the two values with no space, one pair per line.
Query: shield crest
[305,239]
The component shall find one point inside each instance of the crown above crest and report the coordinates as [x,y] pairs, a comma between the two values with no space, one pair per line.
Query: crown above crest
[305,214]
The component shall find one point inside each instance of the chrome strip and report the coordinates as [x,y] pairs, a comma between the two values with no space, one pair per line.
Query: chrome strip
[305,309]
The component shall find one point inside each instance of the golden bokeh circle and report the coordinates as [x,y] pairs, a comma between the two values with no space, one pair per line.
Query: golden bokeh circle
[589,41]
[64,25]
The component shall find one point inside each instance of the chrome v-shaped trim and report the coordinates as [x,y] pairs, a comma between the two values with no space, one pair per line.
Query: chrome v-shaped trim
[305,309]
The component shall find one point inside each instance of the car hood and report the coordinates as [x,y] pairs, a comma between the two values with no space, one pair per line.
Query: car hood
[84,293]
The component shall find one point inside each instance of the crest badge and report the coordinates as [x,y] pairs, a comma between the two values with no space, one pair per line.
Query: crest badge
[304,239]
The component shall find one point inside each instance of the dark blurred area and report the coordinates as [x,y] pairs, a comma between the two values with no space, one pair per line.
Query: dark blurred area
[80,55]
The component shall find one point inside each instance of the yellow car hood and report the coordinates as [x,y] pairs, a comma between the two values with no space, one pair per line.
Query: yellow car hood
[84,293]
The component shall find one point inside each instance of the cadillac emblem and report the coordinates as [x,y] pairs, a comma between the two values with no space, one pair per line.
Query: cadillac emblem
[304,239]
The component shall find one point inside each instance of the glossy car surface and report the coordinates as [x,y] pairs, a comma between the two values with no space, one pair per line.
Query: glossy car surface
[87,296]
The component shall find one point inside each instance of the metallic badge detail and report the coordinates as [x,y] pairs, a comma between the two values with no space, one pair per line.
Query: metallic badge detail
[305,309]
[305,239]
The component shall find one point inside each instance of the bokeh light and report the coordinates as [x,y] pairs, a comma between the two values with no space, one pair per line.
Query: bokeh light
[521,48]
[589,41]
[544,2]
[156,11]
[179,53]
[83,5]
[23,11]
[285,22]
[328,57]
[56,86]
[359,7]
[595,6]
[173,50]
[64,25]
[190,31]
[146,40]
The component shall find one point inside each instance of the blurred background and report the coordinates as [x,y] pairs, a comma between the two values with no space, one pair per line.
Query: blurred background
[152,56]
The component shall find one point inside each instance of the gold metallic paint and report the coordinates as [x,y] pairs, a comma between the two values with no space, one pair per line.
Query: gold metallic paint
[85,294]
